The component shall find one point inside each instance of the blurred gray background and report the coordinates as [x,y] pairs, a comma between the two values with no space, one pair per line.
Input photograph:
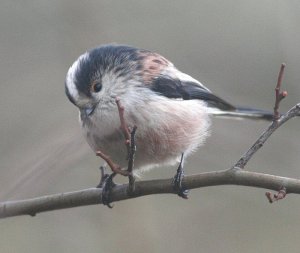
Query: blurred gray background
[233,47]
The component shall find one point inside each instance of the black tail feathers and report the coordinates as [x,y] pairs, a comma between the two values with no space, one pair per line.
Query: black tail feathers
[255,113]
[244,112]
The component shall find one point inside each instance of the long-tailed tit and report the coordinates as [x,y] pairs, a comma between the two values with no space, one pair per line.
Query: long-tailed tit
[171,109]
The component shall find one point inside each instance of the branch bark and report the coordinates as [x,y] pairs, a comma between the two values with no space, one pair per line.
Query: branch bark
[92,196]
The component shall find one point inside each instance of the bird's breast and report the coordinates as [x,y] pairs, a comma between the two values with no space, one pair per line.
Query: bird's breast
[165,129]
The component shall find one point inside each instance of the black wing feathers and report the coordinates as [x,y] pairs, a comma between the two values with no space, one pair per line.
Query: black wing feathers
[175,88]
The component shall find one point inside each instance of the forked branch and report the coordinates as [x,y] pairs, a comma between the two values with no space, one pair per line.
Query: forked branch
[276,123]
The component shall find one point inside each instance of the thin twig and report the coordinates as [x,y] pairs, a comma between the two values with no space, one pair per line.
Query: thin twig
[276,123]
[132,150]
[278,196]
[114,167]
[124,126]
[131,160]
[129,143]
[279,95]
[293,112]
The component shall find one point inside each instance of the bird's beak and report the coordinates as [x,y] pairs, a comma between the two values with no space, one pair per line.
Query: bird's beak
[88,110]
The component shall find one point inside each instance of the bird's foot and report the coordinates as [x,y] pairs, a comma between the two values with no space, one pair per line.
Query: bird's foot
[177,181]
[107,184]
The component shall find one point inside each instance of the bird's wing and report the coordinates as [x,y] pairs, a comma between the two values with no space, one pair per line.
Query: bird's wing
[161,76]
[185,87]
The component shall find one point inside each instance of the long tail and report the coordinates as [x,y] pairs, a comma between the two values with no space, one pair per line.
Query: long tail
[221,108]
[243,112]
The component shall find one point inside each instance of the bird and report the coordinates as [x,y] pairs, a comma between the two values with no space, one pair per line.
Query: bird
[171,109]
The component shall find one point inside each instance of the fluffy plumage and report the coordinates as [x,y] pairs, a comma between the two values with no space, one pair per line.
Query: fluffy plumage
[171,109]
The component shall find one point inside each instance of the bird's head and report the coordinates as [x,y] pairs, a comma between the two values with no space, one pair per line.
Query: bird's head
[100,75]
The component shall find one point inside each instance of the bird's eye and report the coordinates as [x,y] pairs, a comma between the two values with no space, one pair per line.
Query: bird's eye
[96,87]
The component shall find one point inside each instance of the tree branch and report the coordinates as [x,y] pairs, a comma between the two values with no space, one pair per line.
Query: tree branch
[276,123]
[92,196]
[293,112]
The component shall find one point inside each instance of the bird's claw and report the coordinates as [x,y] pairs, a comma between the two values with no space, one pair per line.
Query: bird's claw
[177,182]
[177,185]
[107,184]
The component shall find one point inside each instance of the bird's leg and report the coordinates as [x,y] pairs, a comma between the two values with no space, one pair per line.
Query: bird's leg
[177,181]
[103,177]
[106,183]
